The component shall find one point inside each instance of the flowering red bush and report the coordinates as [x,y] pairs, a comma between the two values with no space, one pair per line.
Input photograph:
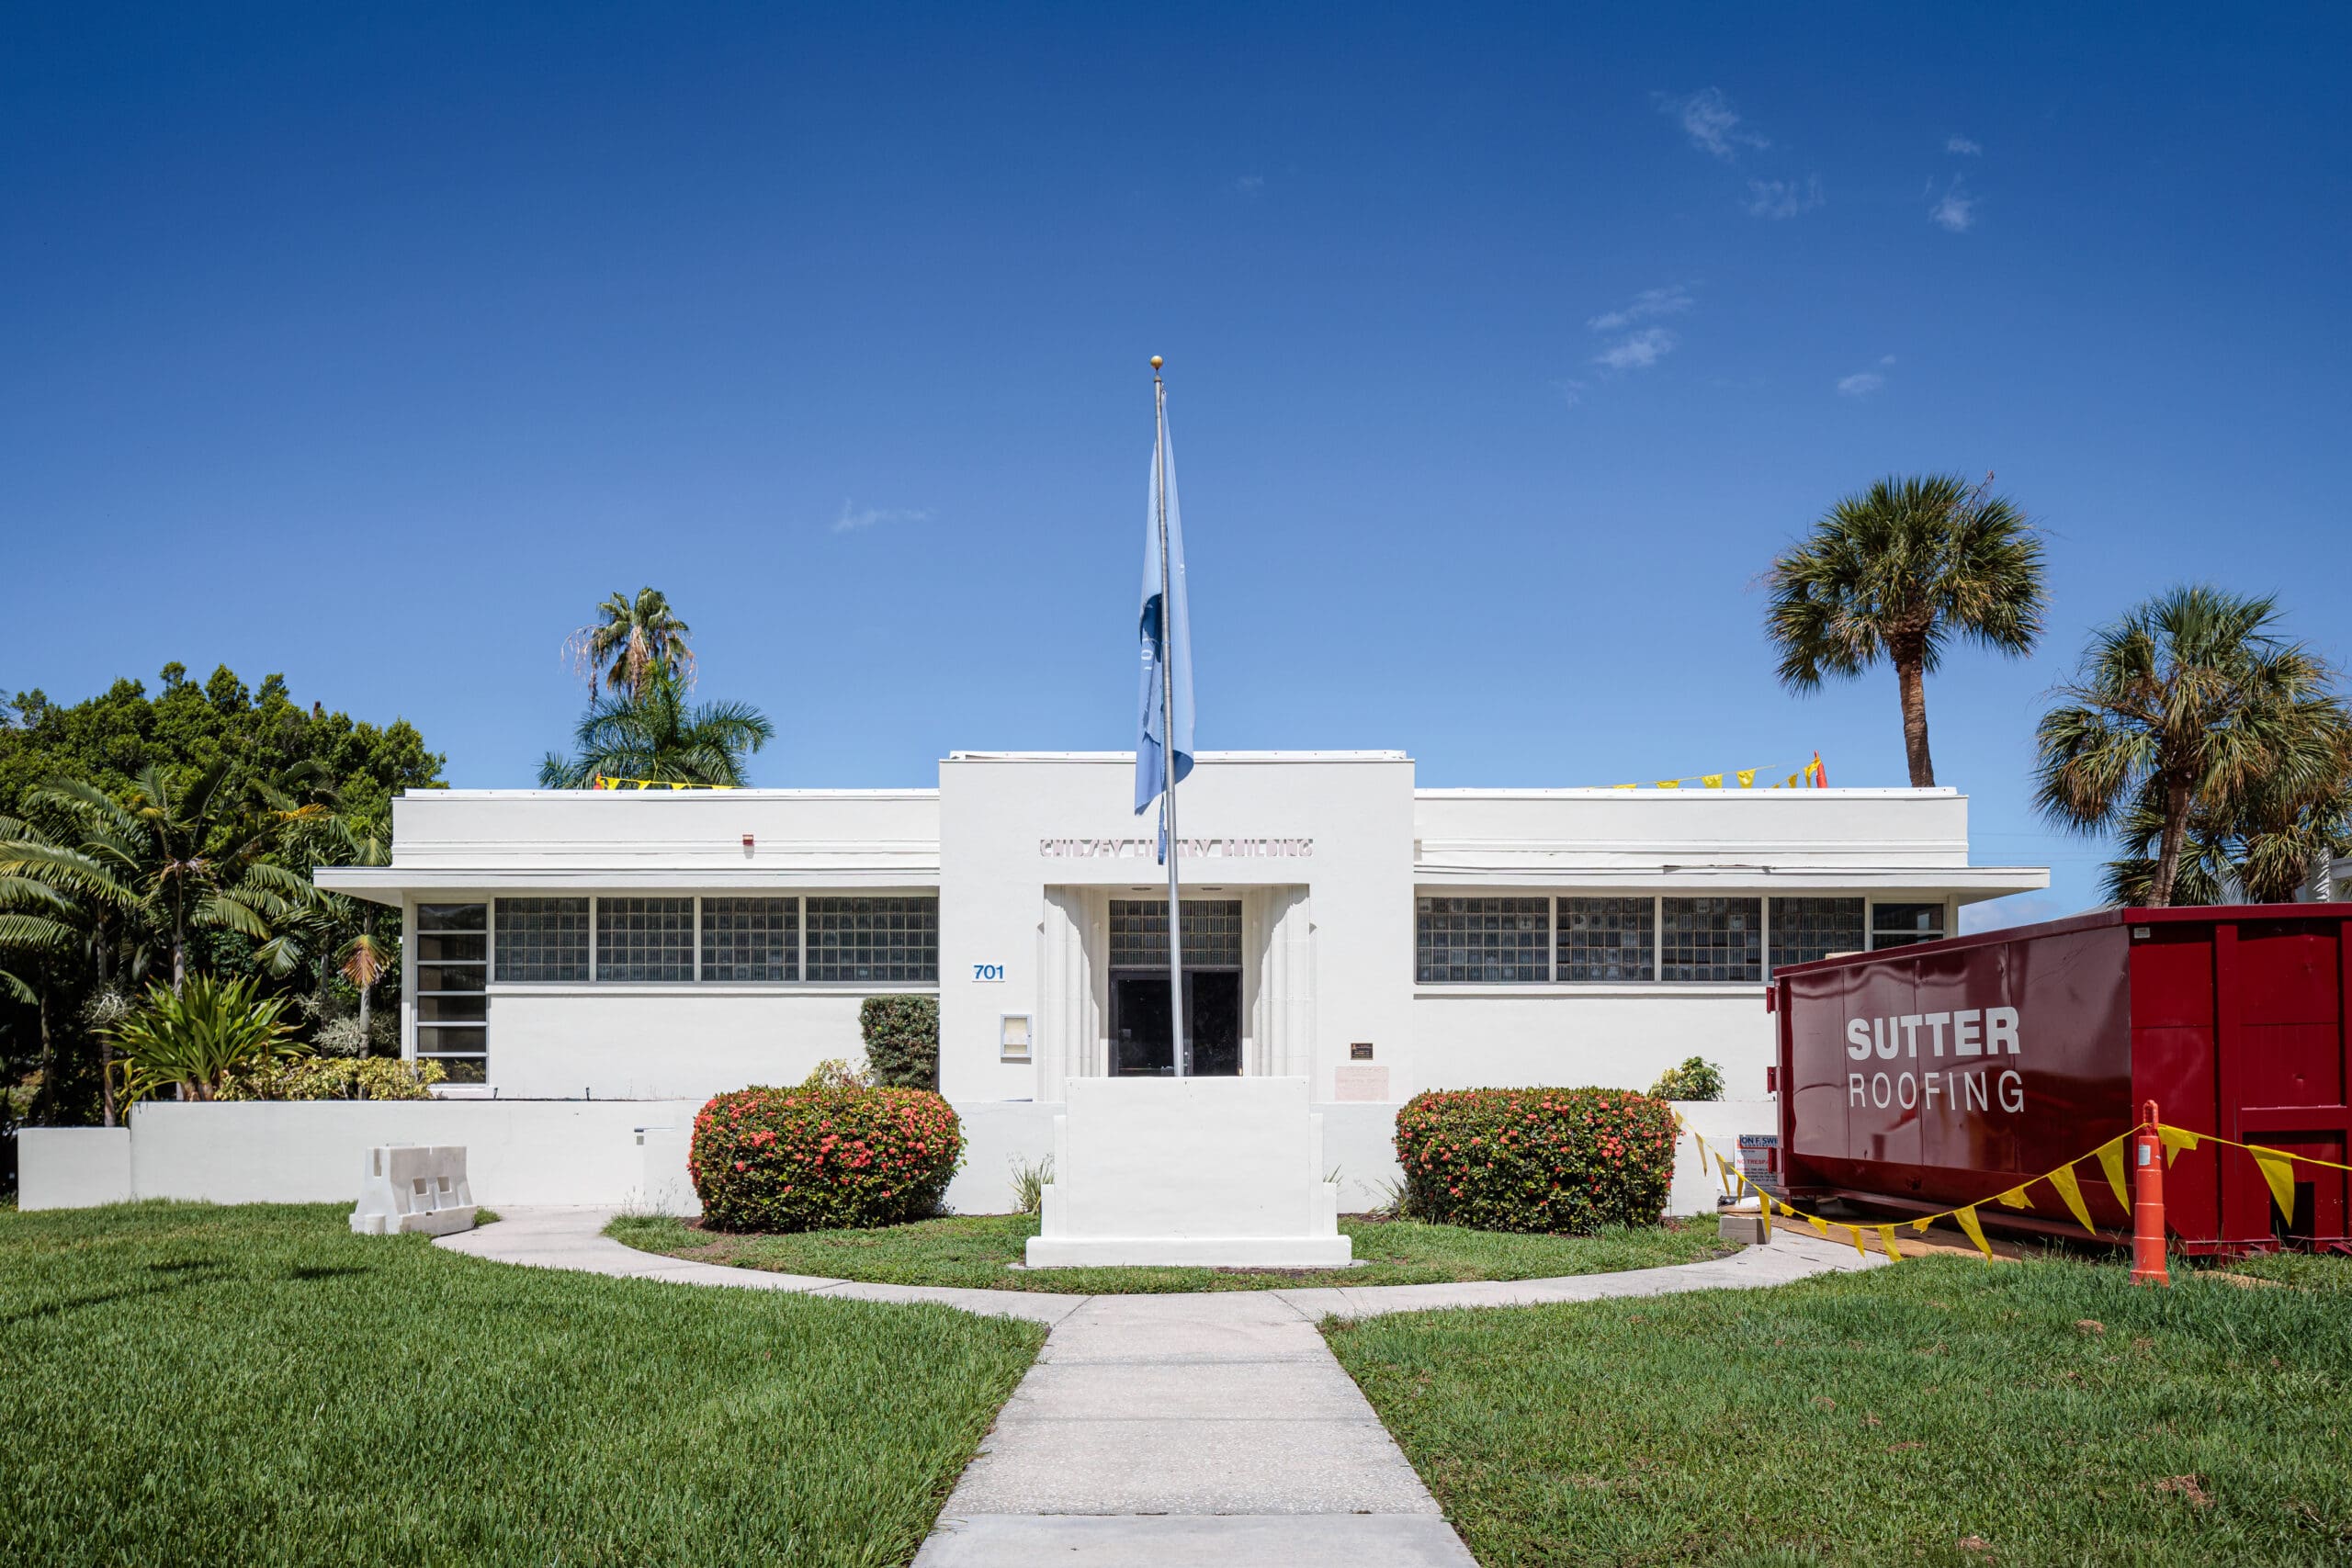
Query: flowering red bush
[823,1158]
[1564,1161]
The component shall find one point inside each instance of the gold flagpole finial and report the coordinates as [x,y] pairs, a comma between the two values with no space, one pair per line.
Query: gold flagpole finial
[1155,362]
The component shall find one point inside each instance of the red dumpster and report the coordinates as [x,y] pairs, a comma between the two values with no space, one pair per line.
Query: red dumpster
[1945,1073]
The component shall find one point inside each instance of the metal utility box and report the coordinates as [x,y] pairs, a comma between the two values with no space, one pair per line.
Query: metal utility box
[1945,1073]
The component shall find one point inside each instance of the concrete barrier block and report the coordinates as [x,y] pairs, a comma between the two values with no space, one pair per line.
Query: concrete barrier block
[413,1188]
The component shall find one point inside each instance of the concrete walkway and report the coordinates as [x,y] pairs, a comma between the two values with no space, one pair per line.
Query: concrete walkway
[1178,1430]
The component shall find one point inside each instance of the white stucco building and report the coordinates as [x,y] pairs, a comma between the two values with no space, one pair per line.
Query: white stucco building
[1339,925]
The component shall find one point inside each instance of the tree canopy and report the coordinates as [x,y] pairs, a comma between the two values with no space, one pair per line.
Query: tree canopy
[2211,742]
[186,728]
[169,835]
[1897,571]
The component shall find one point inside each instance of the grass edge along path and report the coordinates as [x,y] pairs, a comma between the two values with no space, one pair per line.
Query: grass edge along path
[1941,1412]
[976,1251]
[256,1386]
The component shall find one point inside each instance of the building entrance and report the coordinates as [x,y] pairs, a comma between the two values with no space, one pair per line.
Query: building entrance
[1139,1043]
[1139,1033]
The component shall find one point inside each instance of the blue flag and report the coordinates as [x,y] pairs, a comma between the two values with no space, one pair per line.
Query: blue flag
[1153,742]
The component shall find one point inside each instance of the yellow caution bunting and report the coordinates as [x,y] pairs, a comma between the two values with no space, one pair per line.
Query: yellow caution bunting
[2277,1168]
[2110,1160]
[1811,775]
[2071,1192]
[1967,1218]
[606,781]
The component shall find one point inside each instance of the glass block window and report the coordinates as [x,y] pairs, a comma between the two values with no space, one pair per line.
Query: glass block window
[645,939]
[1504,940]
[1608,938]
[751,939]
[1139,933]
[451,944]
[1711,939]
[874,939]
[542,939]
[1900,925]
[1807,928]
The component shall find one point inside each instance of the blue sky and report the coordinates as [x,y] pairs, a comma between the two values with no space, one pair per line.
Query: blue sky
[375,345]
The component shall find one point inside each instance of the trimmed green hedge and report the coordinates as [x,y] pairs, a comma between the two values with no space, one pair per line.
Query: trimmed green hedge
[1560,1161]
[901,1040]
[820,1158]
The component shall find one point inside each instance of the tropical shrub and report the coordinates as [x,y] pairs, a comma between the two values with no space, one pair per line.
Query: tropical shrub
[294,1077]
[822,1158]
[333,1077]
[901,1040]
[1029,1183]
[389,1077]
[1562,1161]
[1696,1078]
[192,1042]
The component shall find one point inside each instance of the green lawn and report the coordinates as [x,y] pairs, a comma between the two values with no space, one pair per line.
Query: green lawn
[978,1251]
[255,1385]
[1937,1411]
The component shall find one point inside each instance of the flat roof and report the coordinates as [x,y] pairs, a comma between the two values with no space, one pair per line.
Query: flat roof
[1127,758]
[700,792]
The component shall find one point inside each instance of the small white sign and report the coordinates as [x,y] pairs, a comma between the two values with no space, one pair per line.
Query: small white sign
[988,974]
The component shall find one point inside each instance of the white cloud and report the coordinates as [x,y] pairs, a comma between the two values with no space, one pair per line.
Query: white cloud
[1639,351]
[1710,121]
[1861,384]
[1249,184]
[1963,146]
[1886,360]
[1957,212]
[1649,304]
[855,519]
[1783,198]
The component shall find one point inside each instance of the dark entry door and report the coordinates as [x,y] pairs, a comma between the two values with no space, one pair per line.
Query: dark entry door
[1139,1033]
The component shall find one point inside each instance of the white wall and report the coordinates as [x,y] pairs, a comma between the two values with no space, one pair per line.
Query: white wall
[796,833]
[523,1153]
[996,811]
[685,1042]
[517,1152]
[1340,919]
[1473,1037]
[73,1167]
[1643,830]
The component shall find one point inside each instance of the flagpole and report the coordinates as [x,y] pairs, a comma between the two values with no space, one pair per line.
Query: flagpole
[1167,728]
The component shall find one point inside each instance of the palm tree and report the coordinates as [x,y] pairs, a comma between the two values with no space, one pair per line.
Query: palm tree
[2192,710]
[655,735]
[43,935]
[364,960]
[57,933]
[172,860]
[2263,849]
[1896,573]
[631,641]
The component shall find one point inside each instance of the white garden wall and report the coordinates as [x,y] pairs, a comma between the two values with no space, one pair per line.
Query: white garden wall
[619,1153]
[74,1167]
